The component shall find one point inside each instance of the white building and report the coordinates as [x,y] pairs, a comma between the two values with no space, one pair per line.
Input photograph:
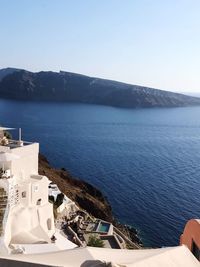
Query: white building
[26,216]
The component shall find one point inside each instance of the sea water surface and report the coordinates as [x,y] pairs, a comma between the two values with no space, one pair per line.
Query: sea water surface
[147,161]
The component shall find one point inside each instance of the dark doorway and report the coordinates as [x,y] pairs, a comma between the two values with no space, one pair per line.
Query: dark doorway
[195,250]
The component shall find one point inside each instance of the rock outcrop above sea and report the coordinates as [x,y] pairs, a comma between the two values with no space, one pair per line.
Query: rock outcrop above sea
[82,193]
[71,87]
[85,196]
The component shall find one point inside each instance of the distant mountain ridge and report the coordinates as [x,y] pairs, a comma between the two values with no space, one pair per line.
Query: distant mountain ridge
[71,87]
[7,71]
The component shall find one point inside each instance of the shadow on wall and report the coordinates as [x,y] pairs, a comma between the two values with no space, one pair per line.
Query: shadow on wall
[97,263]
[191,237]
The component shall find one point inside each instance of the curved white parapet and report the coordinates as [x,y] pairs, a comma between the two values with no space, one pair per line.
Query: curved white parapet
[27,213]
[84,257]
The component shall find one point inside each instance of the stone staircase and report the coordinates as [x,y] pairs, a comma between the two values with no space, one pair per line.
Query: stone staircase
[3,204]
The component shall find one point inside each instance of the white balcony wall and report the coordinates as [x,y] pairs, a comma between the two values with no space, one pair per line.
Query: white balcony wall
[27,164]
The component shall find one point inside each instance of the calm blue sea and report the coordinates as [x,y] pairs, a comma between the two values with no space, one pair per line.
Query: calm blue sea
[147,161]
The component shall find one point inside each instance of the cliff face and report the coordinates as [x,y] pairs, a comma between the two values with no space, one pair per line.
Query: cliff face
[82,193]
[72,87]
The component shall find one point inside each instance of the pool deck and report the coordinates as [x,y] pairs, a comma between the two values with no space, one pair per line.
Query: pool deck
[95,227]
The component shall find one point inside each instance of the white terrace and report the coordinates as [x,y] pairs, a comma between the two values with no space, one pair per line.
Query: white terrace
[26,152]
[26,216]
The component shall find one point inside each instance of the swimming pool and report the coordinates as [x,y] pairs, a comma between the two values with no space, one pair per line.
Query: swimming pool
[103,227]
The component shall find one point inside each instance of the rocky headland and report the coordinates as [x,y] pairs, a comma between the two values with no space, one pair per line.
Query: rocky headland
[85,196]
[70,87]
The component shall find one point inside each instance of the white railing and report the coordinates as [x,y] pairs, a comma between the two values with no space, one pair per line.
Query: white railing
[17,143]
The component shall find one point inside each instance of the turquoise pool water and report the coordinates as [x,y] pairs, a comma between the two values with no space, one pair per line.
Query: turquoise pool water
[103,227]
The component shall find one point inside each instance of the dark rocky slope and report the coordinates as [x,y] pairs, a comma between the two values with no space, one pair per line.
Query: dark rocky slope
[71,87]
[85,195]
[7,71]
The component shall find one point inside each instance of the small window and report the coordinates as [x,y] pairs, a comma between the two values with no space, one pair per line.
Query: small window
[35,188]
[39,201]
[24,194]
[49,224]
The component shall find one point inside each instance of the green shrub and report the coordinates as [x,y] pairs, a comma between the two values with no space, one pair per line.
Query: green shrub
[95,241]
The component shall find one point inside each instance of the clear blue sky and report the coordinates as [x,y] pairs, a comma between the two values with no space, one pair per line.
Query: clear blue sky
[154,43]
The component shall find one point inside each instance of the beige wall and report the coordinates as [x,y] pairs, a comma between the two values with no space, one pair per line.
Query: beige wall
[6,165]
[30,220]
[39,189]
[4,149]
[27,163]
[26,217]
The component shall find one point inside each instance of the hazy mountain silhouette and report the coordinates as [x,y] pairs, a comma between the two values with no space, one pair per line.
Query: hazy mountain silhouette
[5,72]
[71,87]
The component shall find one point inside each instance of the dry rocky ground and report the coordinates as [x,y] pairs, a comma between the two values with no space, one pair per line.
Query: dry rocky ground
[84,195]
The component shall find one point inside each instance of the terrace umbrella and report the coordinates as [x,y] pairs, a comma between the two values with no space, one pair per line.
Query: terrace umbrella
[5,157]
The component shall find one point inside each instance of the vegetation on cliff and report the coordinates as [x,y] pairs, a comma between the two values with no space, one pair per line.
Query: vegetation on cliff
[85,195]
